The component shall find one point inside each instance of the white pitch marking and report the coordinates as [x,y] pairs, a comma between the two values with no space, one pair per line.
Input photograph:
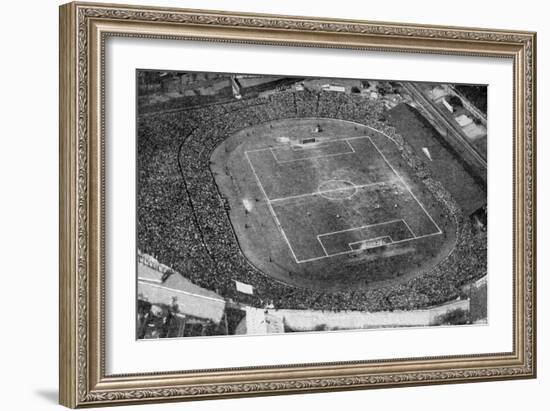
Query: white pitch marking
[408,227]
[277,222]
[310,158]
[313,146]
[359,228]
[353,229]
[323,246]
[273,154]
[406,186]
[255,150]
[356,251]
[324,142]
[350,146]
[328,191]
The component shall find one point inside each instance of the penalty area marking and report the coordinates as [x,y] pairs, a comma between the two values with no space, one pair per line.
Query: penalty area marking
[360,241]
[360,250]
[302,149]
[308,158]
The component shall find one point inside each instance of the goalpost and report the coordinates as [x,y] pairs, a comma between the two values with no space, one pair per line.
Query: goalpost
[308,140]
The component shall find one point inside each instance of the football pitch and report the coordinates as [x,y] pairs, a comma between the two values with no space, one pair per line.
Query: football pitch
[338,196]
[333,209]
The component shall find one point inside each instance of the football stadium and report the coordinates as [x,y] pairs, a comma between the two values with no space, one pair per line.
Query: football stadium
[299,197]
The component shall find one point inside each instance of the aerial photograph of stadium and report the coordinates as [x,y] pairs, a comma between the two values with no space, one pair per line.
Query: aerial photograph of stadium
[281,204]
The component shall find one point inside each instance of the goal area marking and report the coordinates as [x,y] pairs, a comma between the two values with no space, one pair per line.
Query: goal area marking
[375,242]
[310,148]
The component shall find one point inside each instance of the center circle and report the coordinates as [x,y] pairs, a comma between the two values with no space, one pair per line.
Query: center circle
[337,189]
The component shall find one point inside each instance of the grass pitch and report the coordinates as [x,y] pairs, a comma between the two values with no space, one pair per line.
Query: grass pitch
[337,197]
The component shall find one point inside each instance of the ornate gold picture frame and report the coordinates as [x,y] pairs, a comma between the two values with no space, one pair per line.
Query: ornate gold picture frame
[84,29]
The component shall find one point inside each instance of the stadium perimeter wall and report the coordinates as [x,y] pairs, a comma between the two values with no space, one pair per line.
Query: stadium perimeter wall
[307,320]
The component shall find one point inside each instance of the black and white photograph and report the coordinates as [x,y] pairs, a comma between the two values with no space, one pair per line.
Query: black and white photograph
[272,205]
[279,204]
